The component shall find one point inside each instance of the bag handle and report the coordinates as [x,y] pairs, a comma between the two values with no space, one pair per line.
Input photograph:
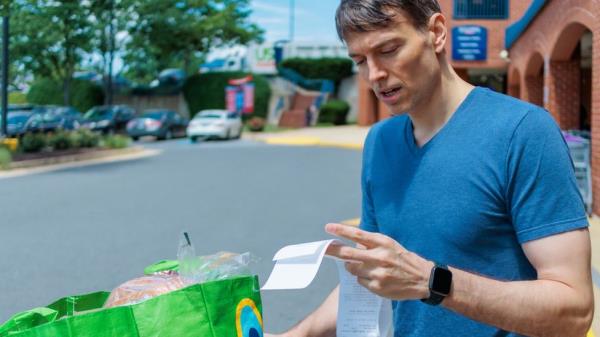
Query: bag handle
[67,306]
[28,319]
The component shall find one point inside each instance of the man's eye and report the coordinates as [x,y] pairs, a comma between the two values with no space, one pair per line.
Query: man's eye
[389,51]
[359,62]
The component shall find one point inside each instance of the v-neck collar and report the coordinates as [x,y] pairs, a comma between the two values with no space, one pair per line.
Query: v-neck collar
[409,128]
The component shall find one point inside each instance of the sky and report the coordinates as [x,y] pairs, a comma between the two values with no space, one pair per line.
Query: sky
[314,19]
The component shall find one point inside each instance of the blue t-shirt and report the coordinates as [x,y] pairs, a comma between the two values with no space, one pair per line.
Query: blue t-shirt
[497,175]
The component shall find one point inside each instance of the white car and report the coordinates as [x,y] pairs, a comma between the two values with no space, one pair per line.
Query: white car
[215,124]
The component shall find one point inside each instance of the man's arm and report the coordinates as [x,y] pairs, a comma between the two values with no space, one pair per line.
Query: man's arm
[558,303]
[320,323]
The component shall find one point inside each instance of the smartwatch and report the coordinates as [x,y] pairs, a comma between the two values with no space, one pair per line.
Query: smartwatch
[440,283]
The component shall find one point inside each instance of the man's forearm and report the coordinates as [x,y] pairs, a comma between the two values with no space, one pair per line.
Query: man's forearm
[532,308]
[321,322]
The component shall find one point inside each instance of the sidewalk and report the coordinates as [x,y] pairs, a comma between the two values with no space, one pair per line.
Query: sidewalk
[352,137]
[347,136]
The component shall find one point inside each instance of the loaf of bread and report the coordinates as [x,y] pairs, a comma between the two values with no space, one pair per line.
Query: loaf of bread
[144,288]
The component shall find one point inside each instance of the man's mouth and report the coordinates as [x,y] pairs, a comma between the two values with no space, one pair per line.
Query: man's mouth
[390,92]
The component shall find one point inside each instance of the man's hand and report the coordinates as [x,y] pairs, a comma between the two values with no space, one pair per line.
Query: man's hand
[383,266]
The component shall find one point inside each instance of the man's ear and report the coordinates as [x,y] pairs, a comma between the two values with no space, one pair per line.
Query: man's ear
[438,31]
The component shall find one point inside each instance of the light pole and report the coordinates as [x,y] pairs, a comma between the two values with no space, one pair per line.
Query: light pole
[4,73]
[292,18]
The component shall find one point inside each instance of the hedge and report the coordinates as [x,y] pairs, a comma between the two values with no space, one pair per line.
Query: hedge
[207,91]
[329,68]
[84,94]
[334,111]
[17,97]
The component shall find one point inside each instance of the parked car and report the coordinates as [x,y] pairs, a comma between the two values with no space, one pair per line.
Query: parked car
[108,118]
[17,122]
[51,118]
[215,124]
[162,124]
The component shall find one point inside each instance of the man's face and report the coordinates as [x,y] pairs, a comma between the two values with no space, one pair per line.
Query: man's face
[398,61]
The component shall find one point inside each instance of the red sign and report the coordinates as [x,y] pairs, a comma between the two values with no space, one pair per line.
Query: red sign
[241,81]
[248,98]
[230,98]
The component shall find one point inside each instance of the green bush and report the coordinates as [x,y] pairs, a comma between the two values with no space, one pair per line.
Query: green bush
[207,91]
[329,68]
[16,97]
[116,142]
[84,94]
[75,137]
[256,124]
[33,142]
[61,140]
[84,138]
[5,158]
[334,111]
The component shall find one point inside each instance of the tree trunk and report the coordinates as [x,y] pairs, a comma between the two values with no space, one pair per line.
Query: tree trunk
[67,90]
[111,54]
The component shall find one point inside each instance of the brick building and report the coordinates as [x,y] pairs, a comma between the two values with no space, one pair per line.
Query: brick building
[554,55]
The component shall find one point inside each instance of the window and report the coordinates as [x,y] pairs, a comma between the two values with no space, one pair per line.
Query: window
[480,9]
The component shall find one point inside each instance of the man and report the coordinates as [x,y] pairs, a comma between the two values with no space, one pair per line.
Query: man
[472,222]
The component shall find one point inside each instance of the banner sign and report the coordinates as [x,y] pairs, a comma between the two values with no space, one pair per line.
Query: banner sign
[469,43]
[248,103]
[230,98]
[239,95]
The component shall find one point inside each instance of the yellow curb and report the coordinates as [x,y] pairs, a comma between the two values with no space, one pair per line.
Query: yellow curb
[309,141]
[351,222]
[301,141]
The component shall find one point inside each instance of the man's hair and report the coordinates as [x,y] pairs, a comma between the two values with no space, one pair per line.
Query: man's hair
[368,15]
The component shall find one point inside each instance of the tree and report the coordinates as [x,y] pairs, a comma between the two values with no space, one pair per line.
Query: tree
[50,37]
[178,33]
[109,18]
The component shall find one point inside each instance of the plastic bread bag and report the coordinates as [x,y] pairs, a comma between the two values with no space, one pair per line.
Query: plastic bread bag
[222,265]
[167,276]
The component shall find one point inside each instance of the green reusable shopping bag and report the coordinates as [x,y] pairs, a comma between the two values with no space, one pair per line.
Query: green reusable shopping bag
[230,307]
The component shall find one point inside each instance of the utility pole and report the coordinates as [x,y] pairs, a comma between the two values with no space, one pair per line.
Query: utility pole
[292,18]
[111,53]
[4,73]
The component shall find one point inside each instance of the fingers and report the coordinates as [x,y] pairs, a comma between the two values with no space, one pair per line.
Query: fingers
[348,253]
[357,235]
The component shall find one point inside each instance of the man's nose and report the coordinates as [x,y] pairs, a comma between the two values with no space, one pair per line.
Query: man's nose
[375,72]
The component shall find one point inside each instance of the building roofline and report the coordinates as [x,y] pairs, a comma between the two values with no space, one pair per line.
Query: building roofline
[514,31]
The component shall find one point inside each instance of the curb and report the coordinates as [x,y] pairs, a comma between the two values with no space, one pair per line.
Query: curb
[309,141]
[79,160]
[33,163]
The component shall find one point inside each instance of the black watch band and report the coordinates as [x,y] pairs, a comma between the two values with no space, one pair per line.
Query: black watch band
[440,283]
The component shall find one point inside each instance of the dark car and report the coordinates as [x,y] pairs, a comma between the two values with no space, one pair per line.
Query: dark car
[17,122]
[109,118]
[52,118]
[162,124]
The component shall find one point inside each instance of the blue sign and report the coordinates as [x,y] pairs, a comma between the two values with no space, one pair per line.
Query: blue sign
[469,43]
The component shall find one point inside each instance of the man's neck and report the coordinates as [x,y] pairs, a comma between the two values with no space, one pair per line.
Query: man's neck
[435,111]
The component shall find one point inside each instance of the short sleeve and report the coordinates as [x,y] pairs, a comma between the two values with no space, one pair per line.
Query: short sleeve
[368,220]
[542,194]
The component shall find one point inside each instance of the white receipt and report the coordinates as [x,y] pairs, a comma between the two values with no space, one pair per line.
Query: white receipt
[360,312]
[296,265]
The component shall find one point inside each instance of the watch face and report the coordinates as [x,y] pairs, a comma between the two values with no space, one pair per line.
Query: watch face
[442,281]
